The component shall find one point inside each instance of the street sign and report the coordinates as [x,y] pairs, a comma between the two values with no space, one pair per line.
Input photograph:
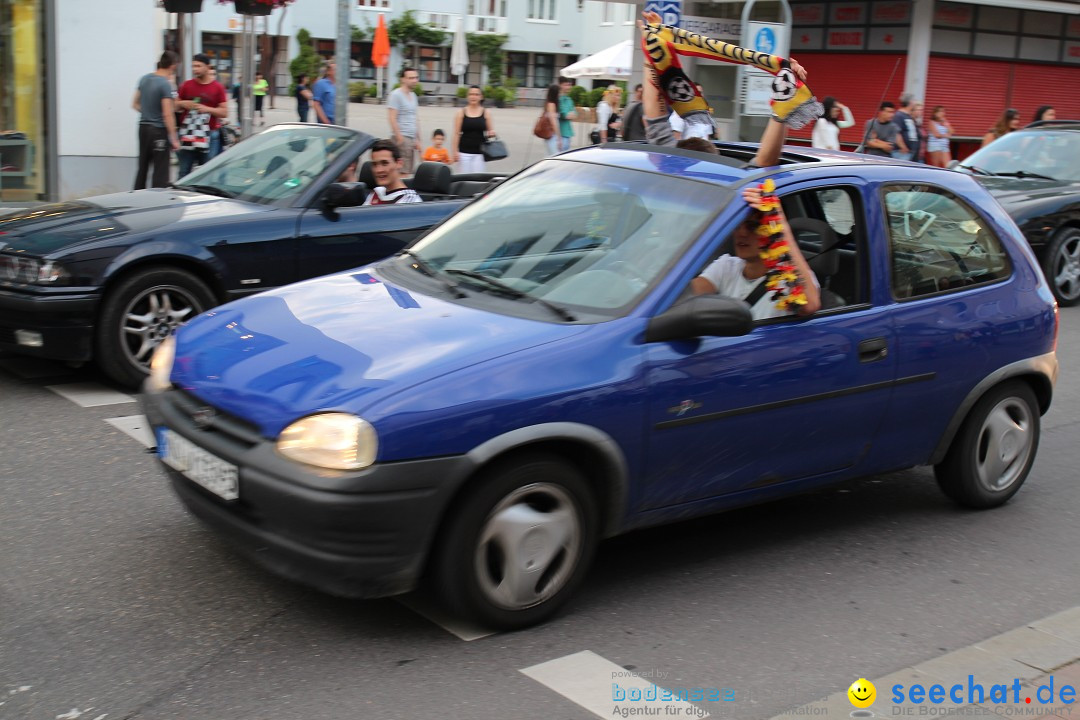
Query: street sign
[670,11]
[772,38]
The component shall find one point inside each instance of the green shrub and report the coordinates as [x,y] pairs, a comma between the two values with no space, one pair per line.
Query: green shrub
[306,63]
[595,96]
[578,94]
[373,91]
[463,92]
[357,90]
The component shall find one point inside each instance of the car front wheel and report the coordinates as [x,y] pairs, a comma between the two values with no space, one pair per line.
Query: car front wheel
[1061,265]
[994,450]
[140,312]
[517,547]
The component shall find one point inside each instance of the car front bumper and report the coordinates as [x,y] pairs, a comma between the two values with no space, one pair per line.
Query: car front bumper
[63,324]
[360,534]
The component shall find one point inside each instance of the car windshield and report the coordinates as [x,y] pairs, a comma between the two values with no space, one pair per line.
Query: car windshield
[1050,153]
[274,165]
[589,237]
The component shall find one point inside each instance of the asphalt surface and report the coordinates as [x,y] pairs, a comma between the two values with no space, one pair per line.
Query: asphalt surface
[115,603]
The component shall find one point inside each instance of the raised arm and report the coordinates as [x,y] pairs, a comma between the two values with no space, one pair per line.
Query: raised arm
[772,140]
[752,196]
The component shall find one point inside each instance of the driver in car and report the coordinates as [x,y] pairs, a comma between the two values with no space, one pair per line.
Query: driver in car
[386,165]
[741,274]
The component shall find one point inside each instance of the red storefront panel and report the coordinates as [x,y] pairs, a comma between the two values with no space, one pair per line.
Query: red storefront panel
[858,81]
[1035,85]
[974,92]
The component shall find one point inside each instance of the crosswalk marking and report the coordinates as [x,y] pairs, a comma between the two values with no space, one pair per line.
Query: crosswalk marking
[424,607]
[90,394]
[134,426]
[606,689]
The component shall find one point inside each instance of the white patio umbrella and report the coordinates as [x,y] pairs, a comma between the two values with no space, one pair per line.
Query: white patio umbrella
[459,53]
[610,62]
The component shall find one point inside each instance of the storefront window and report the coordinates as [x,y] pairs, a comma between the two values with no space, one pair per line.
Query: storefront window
[22,107]
[517,66]
[430,64]
[543,70]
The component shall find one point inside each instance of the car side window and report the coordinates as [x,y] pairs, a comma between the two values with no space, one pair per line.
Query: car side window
[939,244]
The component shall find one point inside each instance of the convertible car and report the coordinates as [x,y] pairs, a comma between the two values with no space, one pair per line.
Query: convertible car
[108,277]
[1034,174]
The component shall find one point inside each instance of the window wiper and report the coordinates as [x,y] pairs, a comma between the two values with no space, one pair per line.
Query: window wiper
[1026,174]
[513,292]
[978,170]
[425,267]
[206,190]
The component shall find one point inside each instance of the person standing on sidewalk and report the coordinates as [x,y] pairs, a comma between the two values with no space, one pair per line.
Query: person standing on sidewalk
[325,95]
[200,96]
[905,120]
[551,110]
[827,128]
[633,127]
[566,113]
[882,136]
[404,122]
[303,97]
[259,89]
[472,125]
[157,122]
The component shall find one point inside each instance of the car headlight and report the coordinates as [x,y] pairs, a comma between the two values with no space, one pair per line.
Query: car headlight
[31,271]
[161,364]
[337,441]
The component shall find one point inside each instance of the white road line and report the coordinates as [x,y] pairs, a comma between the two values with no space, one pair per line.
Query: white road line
[90,394]
[423,606]
[32,368]
[134,426]
[606,689]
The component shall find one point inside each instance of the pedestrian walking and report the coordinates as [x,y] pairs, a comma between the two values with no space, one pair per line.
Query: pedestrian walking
[567,112]
[404,121]
[827,128]
[607,114]
[472,125]
[205,105]
[633,125]
[1008,122]
[882,136]
[939,133]
[904,119]
[259,89]
[303,97]
[551,110]
[324,95]
[1045,113]
[154,99]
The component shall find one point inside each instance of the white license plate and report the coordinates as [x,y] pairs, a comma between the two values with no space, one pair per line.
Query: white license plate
[210,471]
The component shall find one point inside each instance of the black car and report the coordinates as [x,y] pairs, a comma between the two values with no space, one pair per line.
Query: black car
[108,277]
[1035,174]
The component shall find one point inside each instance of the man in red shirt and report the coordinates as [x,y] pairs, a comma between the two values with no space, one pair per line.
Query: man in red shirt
[206,105]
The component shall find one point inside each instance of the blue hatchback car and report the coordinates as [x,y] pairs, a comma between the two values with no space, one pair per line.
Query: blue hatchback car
[533,375]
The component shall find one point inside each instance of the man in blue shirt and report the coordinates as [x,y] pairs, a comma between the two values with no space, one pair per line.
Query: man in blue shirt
[325,95]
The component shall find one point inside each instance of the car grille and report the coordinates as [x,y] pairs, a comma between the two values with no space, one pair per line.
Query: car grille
[206,418]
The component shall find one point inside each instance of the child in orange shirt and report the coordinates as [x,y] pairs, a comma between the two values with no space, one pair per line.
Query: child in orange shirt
[437,153]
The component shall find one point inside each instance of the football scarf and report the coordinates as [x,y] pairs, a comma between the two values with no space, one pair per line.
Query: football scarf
[792,101]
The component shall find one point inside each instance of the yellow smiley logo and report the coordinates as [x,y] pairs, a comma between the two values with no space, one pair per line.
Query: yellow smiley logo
[862,693]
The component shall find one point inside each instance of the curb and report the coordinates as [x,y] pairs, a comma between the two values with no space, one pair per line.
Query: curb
[1031,653]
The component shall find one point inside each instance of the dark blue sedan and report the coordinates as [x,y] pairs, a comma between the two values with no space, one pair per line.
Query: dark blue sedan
[107,278]
[534,375]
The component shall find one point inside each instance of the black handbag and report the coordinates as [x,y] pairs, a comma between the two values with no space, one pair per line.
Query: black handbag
[594,136]
[493,149]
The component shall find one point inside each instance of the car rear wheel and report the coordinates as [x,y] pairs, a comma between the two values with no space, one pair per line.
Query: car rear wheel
[519,545]
[994,450]
[1061,265]
[140,312]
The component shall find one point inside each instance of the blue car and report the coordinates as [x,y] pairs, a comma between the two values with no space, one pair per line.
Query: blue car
[534,375]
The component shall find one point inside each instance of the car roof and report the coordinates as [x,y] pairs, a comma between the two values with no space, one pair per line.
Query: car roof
[728,167]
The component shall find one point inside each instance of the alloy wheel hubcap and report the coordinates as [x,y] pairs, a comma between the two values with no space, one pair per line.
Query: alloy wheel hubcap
[1004,445]
[1067,268]
[150,317]
[528,547]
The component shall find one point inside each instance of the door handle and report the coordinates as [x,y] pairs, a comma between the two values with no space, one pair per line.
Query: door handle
[873,350]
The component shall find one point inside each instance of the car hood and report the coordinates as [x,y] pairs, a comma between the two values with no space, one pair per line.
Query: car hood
[49,229]
[337,343]
[1010,191]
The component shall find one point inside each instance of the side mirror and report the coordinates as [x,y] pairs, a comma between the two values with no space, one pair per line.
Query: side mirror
[952,164]
[701,316]
[344,195]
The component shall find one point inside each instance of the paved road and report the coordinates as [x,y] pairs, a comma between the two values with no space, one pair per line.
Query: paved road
[115,604]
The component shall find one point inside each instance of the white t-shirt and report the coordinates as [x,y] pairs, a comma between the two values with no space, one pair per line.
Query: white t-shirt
[382,196]
[678,125]
[726,273]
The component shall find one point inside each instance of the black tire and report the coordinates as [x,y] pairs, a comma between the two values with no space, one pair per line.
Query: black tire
[550,501]
[137,302]
[1061,266]
[993,452]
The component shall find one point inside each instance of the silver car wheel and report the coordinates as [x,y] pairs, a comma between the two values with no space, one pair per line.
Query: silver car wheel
[1066,267]
[150,317]
[1005,442]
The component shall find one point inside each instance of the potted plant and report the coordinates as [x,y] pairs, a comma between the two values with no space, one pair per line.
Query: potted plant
[255,7]
[182,6]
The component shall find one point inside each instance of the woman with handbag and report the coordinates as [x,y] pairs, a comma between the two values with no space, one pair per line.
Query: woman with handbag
[472,127]
[548,124]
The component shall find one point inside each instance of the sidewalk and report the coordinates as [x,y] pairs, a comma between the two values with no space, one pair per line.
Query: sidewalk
[513,126]
[1041,654]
